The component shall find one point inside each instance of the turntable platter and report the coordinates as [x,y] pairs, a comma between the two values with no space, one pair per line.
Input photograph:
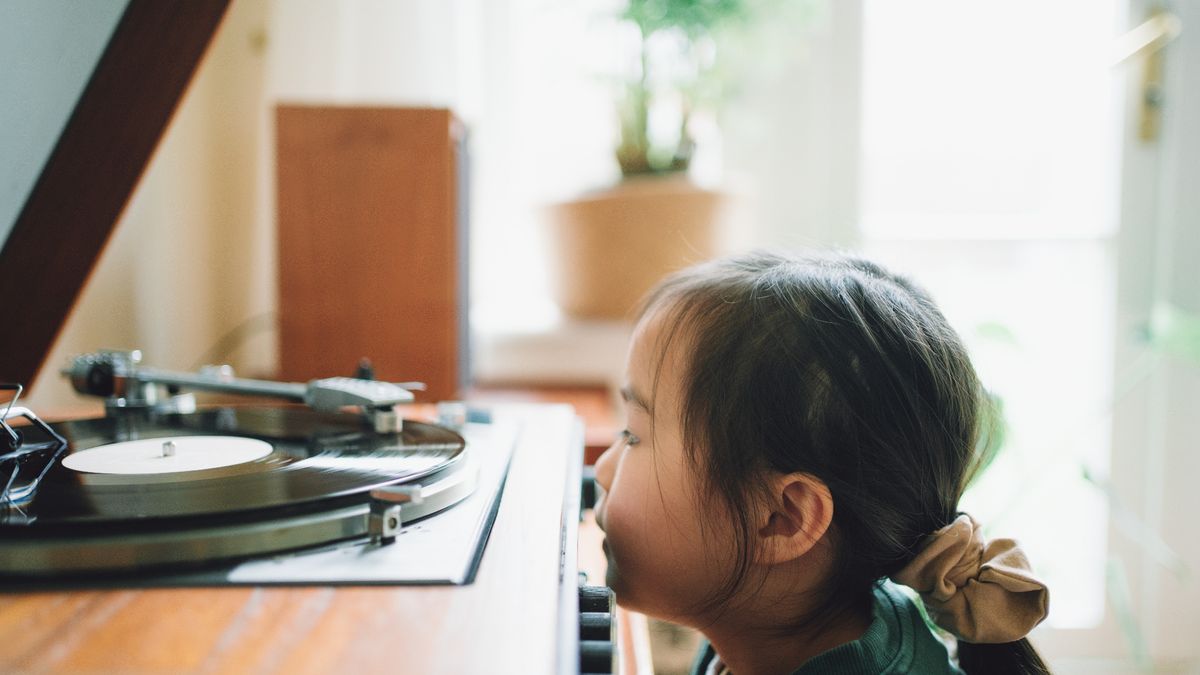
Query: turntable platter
[238,482]
[316,460]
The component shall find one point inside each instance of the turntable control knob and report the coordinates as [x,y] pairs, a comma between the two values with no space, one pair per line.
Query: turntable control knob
[597,630]
[595,599]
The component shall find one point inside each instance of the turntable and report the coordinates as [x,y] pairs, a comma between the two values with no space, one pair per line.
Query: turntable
[464,522]
[337,527]
[157,485]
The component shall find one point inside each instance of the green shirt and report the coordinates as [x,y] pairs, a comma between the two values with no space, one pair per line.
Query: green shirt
[897,641]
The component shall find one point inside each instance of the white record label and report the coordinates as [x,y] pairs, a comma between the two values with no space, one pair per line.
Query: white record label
[168,455]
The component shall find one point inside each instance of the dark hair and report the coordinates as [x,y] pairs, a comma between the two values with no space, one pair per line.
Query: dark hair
[832,366]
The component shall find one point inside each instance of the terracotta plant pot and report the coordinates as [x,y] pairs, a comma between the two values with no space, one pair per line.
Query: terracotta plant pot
[607,248]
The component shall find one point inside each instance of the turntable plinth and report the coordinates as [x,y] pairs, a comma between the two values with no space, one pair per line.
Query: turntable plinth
[509,620]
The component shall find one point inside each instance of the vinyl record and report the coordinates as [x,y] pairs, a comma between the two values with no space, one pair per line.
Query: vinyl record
[293,461]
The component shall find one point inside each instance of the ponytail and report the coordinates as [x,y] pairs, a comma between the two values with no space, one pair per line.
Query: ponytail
[1005,658]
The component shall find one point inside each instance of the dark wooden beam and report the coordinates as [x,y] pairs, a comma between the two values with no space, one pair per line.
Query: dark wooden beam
[93,170]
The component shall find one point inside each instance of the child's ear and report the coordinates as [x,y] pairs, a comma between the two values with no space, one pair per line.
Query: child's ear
[800,511]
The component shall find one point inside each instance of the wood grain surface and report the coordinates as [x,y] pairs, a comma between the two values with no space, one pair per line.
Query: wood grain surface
[371,244]
[506,622]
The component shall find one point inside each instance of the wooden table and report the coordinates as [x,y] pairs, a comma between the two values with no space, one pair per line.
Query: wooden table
[509,620]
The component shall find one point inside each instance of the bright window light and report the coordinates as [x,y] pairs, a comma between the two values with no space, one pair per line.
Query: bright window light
[990,157]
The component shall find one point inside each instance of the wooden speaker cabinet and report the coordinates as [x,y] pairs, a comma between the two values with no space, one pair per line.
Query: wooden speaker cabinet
[373,244]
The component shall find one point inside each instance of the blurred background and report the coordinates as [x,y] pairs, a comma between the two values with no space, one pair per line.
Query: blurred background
[1028,162]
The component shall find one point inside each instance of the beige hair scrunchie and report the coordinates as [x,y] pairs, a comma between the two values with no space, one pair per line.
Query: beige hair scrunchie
[979,591]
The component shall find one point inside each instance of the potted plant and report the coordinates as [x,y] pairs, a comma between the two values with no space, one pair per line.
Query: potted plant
[673,73]
[610,245]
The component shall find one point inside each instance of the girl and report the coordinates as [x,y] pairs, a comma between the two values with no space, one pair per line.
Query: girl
[799,432]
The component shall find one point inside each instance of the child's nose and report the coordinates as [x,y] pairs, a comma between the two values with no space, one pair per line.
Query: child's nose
[606,466]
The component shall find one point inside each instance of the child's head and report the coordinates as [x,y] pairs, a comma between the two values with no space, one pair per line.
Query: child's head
[813,411]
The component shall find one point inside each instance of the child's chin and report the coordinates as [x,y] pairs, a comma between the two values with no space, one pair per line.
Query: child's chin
[624,596]
[613,580]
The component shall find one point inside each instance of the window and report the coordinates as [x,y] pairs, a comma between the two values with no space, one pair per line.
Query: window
[990,153]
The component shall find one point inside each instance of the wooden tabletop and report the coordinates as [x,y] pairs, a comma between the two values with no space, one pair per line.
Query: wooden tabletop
[507,621]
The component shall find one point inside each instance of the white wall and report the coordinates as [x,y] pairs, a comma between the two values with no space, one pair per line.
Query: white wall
[189,259]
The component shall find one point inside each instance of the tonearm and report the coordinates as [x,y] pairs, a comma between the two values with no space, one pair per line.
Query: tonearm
[125,384]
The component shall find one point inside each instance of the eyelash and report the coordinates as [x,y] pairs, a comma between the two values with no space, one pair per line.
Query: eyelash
[629,438]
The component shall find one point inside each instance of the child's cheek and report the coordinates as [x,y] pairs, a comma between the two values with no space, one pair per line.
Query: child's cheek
[632,569]
[623,530]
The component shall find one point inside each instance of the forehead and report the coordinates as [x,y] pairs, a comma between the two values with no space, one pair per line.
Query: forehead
[658,358]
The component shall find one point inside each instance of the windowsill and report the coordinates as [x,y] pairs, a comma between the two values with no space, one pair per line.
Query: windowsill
[566,352]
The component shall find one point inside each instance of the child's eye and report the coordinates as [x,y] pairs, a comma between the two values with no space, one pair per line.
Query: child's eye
[629,438]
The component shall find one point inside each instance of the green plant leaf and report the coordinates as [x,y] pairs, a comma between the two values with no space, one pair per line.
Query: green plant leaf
[679,67]
[997,332]
[1175,332]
